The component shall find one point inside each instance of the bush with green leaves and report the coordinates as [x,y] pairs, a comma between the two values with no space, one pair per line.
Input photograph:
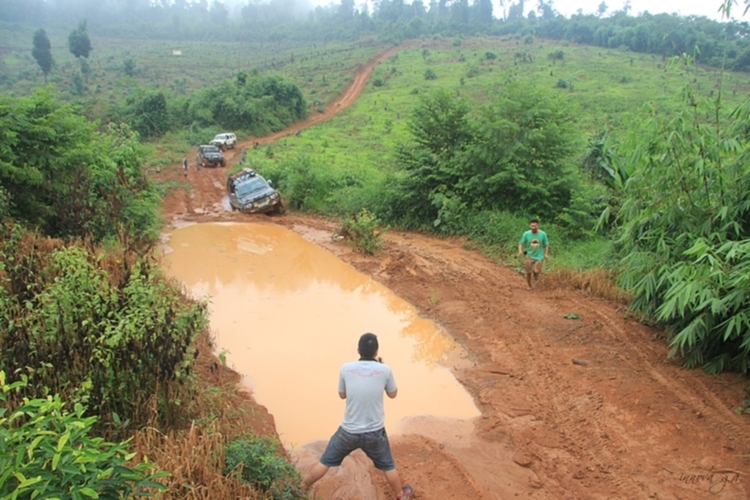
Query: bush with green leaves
[304,184]
[513,154]
[557,55]
[364,232]
[48,452]
[69,180]
[253,102]
[106,330]
[146,111]
[685,228]
[257,461]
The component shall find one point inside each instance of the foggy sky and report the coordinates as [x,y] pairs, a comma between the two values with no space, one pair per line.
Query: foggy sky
[707,8]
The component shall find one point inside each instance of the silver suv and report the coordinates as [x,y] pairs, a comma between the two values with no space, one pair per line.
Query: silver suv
[226,140]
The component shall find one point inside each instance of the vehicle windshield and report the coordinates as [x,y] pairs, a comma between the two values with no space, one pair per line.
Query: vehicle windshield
[247,187]
[210,149]
[220,137]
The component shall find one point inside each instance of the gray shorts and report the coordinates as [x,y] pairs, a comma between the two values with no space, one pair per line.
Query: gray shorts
[374,444]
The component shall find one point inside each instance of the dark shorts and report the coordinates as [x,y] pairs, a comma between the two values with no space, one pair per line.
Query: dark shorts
[374,444]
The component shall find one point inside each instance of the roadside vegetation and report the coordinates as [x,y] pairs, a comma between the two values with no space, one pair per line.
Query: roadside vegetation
[97,345]
[635,160]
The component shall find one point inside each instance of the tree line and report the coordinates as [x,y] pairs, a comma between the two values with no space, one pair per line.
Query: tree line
[709,42]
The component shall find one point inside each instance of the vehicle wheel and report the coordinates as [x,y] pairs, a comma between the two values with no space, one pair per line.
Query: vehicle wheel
[280,208]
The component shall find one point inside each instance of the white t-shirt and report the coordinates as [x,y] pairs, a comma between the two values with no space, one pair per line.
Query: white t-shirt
[364,383]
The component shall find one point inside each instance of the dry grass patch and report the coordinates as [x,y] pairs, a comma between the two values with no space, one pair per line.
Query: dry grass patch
[194,457]
[195,461]
[601,283]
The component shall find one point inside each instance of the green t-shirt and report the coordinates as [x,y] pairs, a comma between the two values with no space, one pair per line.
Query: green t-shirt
[534,244]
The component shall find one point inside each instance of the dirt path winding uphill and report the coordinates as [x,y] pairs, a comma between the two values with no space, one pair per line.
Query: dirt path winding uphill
[587,408]
[208,186]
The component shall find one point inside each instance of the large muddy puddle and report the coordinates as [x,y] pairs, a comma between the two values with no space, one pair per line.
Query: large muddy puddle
[287,314]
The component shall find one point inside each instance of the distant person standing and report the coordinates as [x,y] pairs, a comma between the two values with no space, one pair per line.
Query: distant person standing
[185,165]
[535,246]
[362,384]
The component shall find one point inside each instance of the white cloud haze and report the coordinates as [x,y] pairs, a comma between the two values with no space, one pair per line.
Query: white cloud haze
[708,8]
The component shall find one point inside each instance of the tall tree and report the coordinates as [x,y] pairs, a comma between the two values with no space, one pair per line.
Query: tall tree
[78,41]
[484,11]
[520,160]
[218,13]
[516,10]
[42,52]
[545,9]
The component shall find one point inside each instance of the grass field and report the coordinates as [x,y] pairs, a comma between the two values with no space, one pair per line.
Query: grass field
[604,87]
[321,70]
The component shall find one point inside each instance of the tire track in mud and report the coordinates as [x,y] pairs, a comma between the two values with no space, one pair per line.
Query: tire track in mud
[601,429]
[696,394]
[575,416]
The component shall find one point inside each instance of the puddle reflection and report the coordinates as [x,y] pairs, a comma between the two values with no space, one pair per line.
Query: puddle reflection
[289,314]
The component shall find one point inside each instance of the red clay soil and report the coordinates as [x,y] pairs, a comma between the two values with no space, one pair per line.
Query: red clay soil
[588,408]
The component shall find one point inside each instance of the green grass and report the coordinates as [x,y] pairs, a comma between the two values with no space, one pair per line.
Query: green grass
[606,86]
[321,70]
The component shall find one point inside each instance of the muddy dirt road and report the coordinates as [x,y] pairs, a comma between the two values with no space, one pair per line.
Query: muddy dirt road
[589,408]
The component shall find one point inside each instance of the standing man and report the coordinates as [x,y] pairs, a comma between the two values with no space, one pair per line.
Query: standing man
[185,165]
[361,384]
[535,246]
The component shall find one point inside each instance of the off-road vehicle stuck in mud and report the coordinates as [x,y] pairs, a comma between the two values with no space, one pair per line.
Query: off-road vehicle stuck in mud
[249,192]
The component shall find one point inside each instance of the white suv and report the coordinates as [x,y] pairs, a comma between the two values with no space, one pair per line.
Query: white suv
[224,141]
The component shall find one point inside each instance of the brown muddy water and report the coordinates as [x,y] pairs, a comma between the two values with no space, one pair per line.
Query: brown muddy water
[287,314]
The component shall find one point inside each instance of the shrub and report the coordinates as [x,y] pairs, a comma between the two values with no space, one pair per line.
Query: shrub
[306,186]
[106,330]
[256,461]
[557,55]
[363,232]
[430,75]
[47,452]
